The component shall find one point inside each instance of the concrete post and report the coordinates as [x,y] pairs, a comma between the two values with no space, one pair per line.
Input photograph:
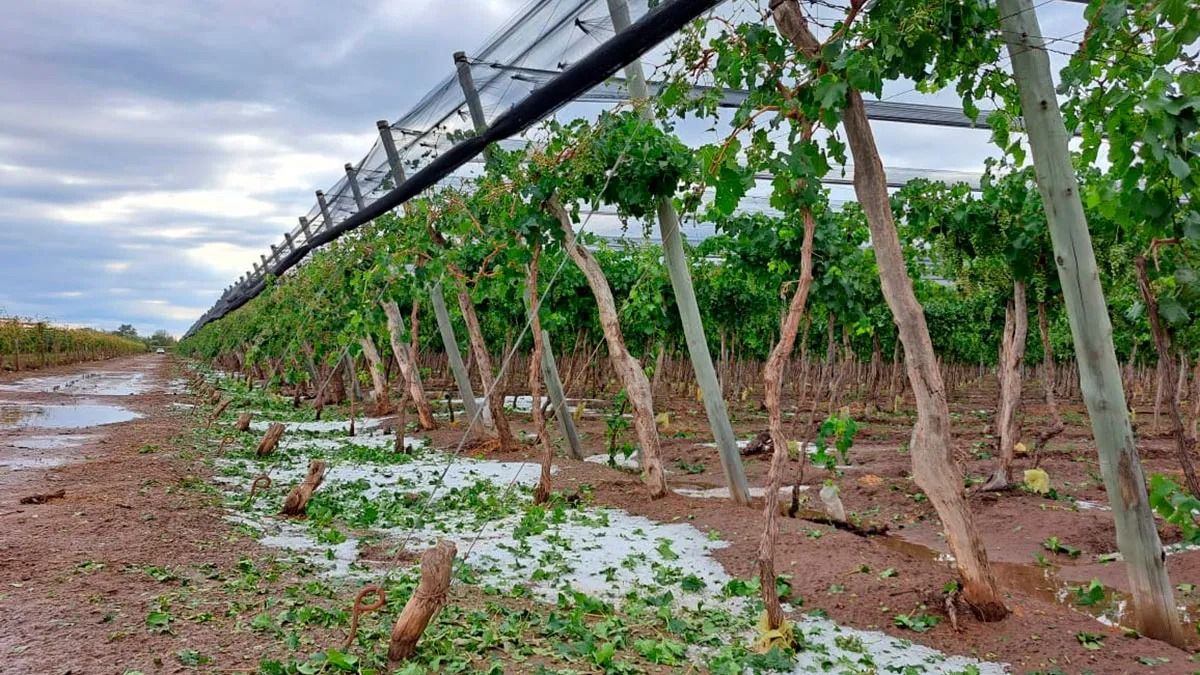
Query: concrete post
[389,147]
[549,366]
[685,299]
[304,227]
[470,92]
[326,220]
[1154,612]
[355,190]
[450,343]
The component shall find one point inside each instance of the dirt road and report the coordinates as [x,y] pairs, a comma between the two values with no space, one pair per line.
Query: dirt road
[125,572]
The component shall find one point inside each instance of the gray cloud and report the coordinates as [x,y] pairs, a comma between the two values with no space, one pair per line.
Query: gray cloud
[149,152]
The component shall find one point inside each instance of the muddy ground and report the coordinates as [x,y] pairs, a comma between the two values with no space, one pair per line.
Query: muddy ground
[140,533]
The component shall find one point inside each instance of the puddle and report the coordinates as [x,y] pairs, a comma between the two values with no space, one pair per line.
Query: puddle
[516,403]
[20,458]
[621,461]
[49,442]
[361,425]
[1040,582]
[99,383]
[723,492]
[26,416]
[28,463]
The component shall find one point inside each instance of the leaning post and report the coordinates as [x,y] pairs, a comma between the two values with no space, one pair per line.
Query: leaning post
[1154,612]
[685,299]
[549,366]
[458,369]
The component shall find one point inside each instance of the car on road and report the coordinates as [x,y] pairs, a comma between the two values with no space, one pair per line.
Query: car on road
[160,350]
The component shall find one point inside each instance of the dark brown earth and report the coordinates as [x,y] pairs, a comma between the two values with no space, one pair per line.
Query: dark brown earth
[1039,635]
[75,591]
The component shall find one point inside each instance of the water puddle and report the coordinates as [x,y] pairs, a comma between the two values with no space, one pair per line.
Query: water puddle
[31,463]
[723,492]
[1103,603]
[361,424]
[27,416]
[100,383]
[49,442]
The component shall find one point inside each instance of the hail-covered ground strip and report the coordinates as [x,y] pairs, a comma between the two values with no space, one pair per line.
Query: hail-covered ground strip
[378,507]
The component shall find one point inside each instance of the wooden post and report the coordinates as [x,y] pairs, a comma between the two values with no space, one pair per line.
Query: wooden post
[305,228]
[243,422]
[1154,612]
[436,565]
[685,300]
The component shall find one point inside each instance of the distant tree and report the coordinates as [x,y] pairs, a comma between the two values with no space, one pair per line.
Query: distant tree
[161,338]
[126,331]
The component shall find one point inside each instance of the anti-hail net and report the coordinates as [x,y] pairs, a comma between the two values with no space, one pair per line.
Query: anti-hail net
[545,36]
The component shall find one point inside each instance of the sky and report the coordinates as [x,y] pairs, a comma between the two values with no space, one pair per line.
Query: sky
[149,152]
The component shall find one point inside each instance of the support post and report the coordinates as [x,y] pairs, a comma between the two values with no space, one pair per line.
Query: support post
[1154,612]
[355,190]
[389,147]
[470,93]
[291,245]
[457,367]
[685,299]
[304,227]
[558,399]
[554,388]
[326,220]
[449,342]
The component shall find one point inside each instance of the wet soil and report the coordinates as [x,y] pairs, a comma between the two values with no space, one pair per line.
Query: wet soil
[78,581]
[844,574]
[78,574]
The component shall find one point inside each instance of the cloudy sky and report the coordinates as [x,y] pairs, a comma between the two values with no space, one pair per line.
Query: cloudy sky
[150,151]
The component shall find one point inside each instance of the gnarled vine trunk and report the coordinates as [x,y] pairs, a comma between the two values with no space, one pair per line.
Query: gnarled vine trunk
[542,493]
[1184,442]
[487,378]
[773,390]
[375,367]
[407,365]
[934,469]
[627,368]
[1012,354]
[1048,377]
